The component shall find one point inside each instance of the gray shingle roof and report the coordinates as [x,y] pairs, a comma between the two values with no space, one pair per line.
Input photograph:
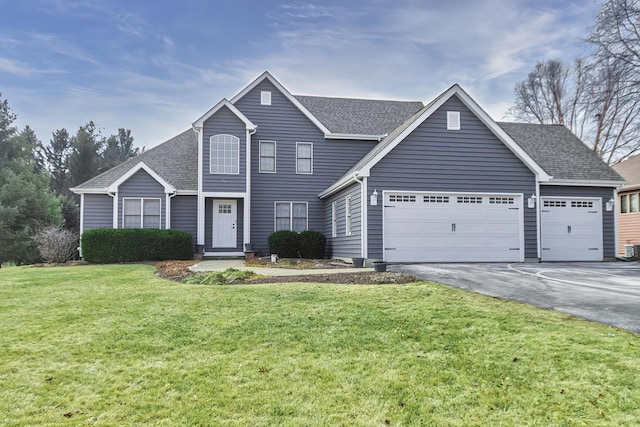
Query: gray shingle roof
[359,116]
[175,160]
[630,171]
[559,152]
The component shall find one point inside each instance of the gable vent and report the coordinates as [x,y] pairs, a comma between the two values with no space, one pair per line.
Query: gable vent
[453,120]
[265,97]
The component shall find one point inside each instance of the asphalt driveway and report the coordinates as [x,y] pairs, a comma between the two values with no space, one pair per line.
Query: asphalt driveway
[607,292]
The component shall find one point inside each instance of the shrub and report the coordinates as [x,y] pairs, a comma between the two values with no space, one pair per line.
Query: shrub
[226,277]
[285,243]
[105,245]
[56,244]
[312,244]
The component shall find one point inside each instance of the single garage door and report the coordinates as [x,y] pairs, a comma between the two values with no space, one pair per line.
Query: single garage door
[437,227]
[571,229]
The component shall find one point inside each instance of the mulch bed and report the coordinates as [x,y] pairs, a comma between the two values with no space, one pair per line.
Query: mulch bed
[178,270]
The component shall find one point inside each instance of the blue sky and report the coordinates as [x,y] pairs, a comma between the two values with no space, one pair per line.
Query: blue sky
[156,66]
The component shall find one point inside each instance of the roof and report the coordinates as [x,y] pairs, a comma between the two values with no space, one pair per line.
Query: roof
[175,160]
[560,153]
[630,171]
[359,116]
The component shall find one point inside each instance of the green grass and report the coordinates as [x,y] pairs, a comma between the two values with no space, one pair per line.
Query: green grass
[116,345]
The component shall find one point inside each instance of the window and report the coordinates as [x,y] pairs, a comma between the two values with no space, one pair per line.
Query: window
[469,199]
[347,213]
[267,157]
[265,97]
[224,154]
[402,198]
[633,202]
[624,204]
[291,216]
[141,213]
[304,157]
[581,204]
[334,219]
[453,120]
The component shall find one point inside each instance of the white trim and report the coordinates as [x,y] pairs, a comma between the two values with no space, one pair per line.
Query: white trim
[290,202]
[348,216]
[267,76]
[521,236]
[538,221]
[234,140]
[186,193]
[168,188]
[265,97]
[224,194]
[115,208]
[199,123]
[615,224]
[275,155]
[246,235]
[81,213]
[201,206]
[142,202]
[76,190]
[297,145]
[585,183]
[364,218]
[356,136]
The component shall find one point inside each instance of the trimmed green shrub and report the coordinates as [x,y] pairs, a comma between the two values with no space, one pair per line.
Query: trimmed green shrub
[312,244]
[289,244]
[105,245]
[285,243]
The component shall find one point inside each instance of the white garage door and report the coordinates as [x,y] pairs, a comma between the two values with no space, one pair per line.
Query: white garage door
[436,227]
[571,229]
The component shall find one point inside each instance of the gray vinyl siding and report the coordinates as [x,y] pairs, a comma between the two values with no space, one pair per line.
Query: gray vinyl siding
[608,220]
[208,226]
[98,211]
[343,245]
[284,123]
[433,158]
[142,185]
[224,122]
[184,214]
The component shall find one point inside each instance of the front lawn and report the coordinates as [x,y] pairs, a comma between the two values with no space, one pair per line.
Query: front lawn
[116,345]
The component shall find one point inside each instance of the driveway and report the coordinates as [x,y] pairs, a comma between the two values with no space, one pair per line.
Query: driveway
[607,292]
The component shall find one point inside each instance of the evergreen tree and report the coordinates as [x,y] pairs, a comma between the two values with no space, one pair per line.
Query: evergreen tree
[84,161]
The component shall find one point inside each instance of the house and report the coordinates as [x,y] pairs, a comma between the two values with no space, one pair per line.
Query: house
[629,204]
[383,180]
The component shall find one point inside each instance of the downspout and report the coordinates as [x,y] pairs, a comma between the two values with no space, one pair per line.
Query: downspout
[114,194]
[247,201]
[167,221]
[364,252]
[200,216]
[616,251]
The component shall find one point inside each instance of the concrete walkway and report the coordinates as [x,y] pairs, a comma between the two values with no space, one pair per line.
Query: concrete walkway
[220,265]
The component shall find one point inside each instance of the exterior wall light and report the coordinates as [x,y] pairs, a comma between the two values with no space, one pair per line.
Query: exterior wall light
[374,198]
[531,201]
[610,204]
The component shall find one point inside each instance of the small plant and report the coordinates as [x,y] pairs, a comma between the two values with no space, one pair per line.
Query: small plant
[56,244]
[226,277]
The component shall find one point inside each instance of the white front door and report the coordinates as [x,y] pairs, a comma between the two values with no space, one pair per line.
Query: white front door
[224,224]
[571,229]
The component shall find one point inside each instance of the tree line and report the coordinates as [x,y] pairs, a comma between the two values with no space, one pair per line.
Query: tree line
[35,179]
[596,96]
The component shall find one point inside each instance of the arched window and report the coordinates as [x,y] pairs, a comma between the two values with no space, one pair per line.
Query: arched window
[224,154]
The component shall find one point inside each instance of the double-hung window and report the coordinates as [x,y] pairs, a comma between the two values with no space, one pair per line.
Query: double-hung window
[141,213]
[224,155]
[347,212]
[304,158]
[291,216]
[267,157]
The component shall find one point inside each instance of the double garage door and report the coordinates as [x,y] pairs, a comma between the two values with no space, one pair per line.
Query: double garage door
[438,227]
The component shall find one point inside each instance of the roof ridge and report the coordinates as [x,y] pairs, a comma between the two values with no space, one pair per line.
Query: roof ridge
[359,99]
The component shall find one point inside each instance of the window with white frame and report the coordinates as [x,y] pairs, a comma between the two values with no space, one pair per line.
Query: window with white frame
[140,213]
[224,155]
[291,216]
[304,157]
[347,213]
[334,219]
[267,157]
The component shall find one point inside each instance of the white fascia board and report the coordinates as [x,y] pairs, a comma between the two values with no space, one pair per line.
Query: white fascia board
[584,183]
[360,137]
[168,188]
[339,186]
[224,194]
[285,92]
[102,190]
[198,124]
[186,192]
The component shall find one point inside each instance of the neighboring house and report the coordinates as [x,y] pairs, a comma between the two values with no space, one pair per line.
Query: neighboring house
[629,204]
[392,180]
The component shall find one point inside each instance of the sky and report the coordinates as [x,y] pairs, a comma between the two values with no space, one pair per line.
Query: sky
[156,66]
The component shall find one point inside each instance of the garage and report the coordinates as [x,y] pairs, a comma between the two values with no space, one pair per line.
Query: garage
[453,227]
[571,229]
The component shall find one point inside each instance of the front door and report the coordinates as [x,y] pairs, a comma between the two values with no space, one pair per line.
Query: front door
[224,224]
